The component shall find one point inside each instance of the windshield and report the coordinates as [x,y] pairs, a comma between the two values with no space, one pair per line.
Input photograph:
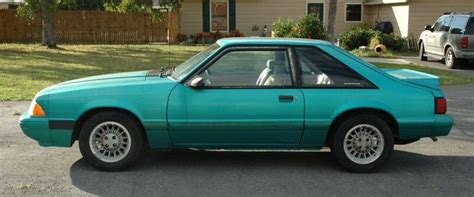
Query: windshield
[186,67]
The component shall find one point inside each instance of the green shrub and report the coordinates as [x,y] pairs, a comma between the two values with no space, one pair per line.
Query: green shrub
[356,36]
[182,37]
[391,41]
[283,28]
[211,37]
[309,27]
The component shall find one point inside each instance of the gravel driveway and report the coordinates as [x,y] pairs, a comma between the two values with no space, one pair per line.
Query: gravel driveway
[424,168]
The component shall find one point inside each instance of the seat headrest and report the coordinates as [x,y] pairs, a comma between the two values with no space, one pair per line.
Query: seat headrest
[270,64]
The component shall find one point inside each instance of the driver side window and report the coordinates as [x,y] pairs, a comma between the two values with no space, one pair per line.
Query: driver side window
[249,68]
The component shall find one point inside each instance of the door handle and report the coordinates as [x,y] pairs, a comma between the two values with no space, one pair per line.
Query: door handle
[286,98]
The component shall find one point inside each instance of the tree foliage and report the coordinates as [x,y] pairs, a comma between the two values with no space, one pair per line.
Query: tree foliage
[130,6]
[30,8]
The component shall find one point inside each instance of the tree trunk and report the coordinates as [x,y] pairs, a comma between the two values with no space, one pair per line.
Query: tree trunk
[48,30]
[332,20]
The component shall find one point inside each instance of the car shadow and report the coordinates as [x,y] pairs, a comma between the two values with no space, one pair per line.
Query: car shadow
[185,173]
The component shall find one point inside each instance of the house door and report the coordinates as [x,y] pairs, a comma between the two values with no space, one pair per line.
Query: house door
[317,9]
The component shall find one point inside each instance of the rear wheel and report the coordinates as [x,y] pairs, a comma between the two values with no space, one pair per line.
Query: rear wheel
[363,143]
[111,141]
[422,52]
[450,59]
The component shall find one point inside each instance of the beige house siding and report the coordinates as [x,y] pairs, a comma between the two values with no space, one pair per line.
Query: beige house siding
[425,12]
[262,12]
[191,17]
[341,24]
[265,12]
[3,6]
[398,14]
[407,18]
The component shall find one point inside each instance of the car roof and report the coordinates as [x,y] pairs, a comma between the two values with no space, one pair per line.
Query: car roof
[269,41]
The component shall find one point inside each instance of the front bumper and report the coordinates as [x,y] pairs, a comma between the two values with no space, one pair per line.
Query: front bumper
[37,128]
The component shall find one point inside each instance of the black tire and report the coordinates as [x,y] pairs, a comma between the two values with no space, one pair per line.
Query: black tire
[422,52]
[338,143]
[136,137]
[450,59]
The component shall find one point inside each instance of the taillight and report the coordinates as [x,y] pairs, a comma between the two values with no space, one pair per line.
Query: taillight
[464,42]
[440,105]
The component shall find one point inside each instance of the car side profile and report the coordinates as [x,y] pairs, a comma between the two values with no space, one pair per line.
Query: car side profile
[450,38]
[244,93]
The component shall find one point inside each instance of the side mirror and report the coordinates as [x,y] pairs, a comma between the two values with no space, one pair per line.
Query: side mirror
[197,82]
[428,27]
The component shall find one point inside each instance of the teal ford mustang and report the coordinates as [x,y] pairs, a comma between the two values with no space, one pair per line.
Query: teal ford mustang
[244,93]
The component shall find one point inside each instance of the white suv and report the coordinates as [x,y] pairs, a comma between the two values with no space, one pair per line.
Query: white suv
[450,38]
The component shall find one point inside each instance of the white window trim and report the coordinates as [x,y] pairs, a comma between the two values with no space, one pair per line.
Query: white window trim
[210,16]
[324,8]
[361,12]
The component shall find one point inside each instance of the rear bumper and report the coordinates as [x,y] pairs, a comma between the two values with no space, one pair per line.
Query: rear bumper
[37,128]
[465,54]
[442,125]
[438,125]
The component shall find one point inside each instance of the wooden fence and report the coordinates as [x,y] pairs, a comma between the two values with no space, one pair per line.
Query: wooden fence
[94,27]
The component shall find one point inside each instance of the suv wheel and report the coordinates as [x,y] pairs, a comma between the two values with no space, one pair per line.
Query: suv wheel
[363,143]
[422,52]
[451,60]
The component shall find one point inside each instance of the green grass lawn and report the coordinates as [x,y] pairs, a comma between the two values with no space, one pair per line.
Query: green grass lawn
[388,54]
[27,68]
[446,77]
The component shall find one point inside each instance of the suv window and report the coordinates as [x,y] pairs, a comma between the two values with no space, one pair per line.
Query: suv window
[321,70]
[445,23]
[470,26]
[437,24]
[249,68]
[459,24]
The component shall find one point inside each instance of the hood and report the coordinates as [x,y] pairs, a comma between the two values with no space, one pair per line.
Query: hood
[104,81]
[124,75]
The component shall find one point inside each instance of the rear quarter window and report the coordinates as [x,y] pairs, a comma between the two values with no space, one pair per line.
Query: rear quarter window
[321,70]
[460,25]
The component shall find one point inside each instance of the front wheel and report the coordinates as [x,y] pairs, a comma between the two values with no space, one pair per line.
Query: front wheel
[363,143]
[111,141]
[422,52]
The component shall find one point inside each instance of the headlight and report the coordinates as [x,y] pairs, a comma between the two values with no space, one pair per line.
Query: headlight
[36,109]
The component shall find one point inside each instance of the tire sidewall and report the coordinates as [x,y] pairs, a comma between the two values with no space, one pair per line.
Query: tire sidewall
[341,132]
[422,52]
[135,134]
[454,62]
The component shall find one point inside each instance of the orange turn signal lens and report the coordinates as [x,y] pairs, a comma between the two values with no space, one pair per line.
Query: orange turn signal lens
[38,110]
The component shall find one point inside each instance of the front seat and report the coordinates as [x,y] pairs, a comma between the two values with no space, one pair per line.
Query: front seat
[266,73]
[279,75]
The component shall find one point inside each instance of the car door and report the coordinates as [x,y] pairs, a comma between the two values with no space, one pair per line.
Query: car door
[441,35]
[247,98]
[430,38]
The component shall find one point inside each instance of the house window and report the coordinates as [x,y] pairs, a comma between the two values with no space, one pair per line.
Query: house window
[219,11]
[354,12]
[317,9]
